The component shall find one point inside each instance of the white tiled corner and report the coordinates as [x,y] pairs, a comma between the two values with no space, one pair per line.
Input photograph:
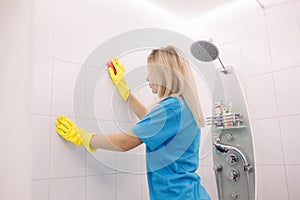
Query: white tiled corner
[40,190]
[281,14]
[67,159]
[40,147]
[287,91]
[69,35]
[101,187]
[285,45]
[69,188]
[128,187]
[64,81]
[230,54]
[271,182]
[290,139]
[252,23]
[41,85]
[293,176]
[264,131]
[261,96]
[255,54]
[43,27]
[102,161]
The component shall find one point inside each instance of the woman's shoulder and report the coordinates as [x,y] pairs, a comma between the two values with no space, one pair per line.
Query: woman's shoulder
[172,102]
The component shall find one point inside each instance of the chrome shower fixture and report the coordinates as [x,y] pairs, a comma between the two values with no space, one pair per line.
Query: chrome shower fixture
[206,51]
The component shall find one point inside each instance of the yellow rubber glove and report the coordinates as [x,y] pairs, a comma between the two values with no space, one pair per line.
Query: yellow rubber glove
[69,131]
[116,71]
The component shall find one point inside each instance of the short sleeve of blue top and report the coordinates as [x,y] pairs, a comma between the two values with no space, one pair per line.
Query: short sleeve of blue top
[172,140]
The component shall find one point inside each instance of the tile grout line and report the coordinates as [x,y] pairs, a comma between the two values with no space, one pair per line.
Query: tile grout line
[276,101]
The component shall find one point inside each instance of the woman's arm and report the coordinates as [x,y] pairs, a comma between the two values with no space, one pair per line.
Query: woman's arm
[138,108]
[115,142]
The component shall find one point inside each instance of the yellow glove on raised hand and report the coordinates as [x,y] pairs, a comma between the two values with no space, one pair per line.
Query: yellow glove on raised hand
[69,131]
[116,71]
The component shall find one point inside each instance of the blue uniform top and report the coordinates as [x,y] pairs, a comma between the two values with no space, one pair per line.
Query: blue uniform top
[172,140]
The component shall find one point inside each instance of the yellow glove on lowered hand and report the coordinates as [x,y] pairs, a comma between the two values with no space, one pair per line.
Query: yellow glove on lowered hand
[116,71]
[69,131]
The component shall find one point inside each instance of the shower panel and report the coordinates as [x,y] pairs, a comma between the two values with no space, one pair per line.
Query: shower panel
[233,154]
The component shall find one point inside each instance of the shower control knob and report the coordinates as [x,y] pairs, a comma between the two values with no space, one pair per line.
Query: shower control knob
[233,195]
[229,137]
[231,159]
[233,175]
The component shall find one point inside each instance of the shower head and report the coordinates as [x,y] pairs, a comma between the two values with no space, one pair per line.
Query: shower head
[204,51]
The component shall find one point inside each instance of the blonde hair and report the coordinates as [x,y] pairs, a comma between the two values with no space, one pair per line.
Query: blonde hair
[173,77]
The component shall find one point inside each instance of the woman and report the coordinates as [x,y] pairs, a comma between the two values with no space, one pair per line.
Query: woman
[170,130]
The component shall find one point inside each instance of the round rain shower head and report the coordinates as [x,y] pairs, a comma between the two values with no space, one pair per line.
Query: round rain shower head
[204,51]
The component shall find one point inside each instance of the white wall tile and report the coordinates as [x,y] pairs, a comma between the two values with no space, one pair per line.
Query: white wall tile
[230,54]
[112,16]
[285,45]
[226,30]
[40,190]
[293,176]
[70,33]
[290,139]
[67,159]
[64,80]
[41,85]
[281,14]
[298,8]
[144,185]
[40,147]
[264,132]
[108,104]
[97,33]
[71,188]
[271,182]
[102,161]
[43,27]
[247,23]
[128,187]
[73,5]
[208,181]
[101,187]
[287,91]
[261,96]
[206,147]
[272,3]
[255,54]
[97,166]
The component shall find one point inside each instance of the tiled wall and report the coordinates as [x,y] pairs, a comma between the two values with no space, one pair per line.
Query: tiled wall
[65,33]
[264,47]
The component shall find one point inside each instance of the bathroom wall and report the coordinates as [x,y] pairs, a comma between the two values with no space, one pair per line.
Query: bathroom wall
[65,34]
[264,47]
[262,44]
[15,77]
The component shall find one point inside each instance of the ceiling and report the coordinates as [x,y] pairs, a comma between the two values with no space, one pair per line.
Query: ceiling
[191,8]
